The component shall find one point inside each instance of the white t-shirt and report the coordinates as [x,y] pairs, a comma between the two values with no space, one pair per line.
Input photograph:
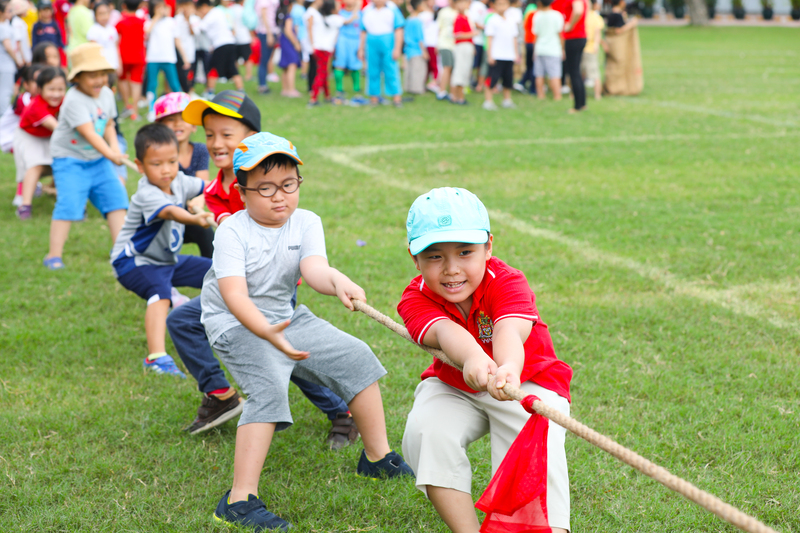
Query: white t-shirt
[187,36]
[446,20]
[430,29]
[547,26]
[161,43]
[269,260]
[240,32]
[477,13]
[325,31]
[503,32]
[22,37]
[107,37]
[381,21]
[216,26]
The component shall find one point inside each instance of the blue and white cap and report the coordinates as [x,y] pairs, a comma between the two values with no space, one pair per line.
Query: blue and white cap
[447,214]
[256,148]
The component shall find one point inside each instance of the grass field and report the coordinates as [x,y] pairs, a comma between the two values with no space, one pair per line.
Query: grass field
[661,235]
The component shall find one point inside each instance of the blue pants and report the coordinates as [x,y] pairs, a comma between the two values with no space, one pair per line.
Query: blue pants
[266,54]
[170,73]
[379,61]
[189,337]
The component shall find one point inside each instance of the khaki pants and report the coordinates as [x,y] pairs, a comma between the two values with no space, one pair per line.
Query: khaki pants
[414,75]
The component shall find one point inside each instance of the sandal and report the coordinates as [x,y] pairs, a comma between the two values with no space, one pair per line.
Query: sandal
[53,263]
[343,431]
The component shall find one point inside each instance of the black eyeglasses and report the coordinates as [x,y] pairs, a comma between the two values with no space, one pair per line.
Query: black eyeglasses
[269,189]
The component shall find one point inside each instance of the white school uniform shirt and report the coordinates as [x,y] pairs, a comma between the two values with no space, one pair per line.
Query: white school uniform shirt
[22,37]
[183,31]
[240,32]
[430,29]
[216,26]
[325,31]
[108,38]
[477,14]
[161,43]
[503,32]
[381,21]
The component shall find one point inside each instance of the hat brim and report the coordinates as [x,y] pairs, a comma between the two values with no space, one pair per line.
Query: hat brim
[261,157]
[193,114]
[95,65]
[470,236]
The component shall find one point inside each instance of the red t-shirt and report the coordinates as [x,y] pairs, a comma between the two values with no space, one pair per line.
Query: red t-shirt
[60,12]
[22,101]
[131,39]
[527,26]
[462,25]
[503,293]
[219,202]
[36,113]
[565,8]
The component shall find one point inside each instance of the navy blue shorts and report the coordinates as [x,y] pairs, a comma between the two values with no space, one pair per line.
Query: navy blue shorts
[154,282]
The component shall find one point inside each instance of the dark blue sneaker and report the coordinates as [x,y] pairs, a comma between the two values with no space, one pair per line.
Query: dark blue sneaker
[392,465]
[252,513]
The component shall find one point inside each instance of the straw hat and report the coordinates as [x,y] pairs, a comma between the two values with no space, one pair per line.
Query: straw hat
[87,57]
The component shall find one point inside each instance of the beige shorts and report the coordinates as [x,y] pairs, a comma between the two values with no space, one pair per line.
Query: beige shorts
[444,421]
[590,66]
[31,151]
[463,56]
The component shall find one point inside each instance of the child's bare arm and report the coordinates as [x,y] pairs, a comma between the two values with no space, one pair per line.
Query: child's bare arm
[99,143]
[110,136]
[179,214]
[398,44]
[234,293]
[361,45]
[508,341]
[461,347]
[488,48]
[325,279]
[50,123]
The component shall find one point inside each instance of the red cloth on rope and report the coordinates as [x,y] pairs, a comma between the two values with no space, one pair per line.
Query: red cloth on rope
[516,499]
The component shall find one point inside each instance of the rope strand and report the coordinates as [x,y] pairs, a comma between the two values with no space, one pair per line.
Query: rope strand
[707,501]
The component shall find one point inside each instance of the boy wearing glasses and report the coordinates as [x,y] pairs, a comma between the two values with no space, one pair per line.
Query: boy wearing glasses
[260,253]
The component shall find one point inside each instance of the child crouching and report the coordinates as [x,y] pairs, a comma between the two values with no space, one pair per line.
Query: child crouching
[145,256]
[259,255]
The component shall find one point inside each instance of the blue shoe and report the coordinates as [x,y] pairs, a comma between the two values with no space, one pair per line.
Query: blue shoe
[358,100]
[163,365]
[390,466]
[53,263]
[252,513]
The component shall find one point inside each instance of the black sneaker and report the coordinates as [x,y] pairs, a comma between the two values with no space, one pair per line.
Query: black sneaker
[392,465]
[252,513]
[214,411]
[343,431]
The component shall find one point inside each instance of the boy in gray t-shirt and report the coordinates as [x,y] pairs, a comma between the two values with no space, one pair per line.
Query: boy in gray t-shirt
[259,255]
[145,255]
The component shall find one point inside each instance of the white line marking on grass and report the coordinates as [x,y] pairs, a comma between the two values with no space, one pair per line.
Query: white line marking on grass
[352,151]
[727,298]
[717,113]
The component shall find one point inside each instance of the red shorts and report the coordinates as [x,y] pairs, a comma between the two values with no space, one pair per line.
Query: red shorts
[132,72]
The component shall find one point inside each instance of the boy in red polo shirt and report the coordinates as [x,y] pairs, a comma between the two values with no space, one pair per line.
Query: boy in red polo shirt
[467,303]
[228,119]
[131,51]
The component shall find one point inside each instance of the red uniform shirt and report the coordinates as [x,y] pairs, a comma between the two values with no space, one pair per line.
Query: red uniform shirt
[565,8]
[219,202]
[503,293]
[36,113]
[60,12]
[462,25]
[131,39]
[530,37]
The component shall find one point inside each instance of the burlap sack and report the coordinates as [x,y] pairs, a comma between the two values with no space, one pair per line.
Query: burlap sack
[624,75]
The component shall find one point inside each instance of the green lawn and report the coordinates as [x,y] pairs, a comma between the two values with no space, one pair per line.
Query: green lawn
[661,235]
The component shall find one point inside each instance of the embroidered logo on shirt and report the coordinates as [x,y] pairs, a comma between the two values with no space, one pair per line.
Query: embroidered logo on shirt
[485,328]
[295,247]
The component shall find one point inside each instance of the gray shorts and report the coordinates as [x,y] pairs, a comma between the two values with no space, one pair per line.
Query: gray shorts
[337,360]
[547,67]
[446,57]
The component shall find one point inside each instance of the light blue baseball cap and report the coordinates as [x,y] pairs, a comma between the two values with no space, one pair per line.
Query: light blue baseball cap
[256,148]
[447,214]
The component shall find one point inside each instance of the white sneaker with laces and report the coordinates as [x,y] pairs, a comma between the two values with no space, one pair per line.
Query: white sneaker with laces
[488,105]
[508,104]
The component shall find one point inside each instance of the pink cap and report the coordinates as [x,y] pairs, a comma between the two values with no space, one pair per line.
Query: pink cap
[170,104]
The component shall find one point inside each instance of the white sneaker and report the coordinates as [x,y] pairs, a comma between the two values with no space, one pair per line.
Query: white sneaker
[142,103]
[17,201]
[589,84]
[151,116]
[178,299]
[273,78]
[565,89]
[508,104]
[488,105]
[519,87]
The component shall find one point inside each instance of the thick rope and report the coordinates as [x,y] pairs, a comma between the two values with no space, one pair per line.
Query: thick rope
[727,512]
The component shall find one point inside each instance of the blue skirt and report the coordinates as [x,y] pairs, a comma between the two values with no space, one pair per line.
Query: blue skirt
[289,56]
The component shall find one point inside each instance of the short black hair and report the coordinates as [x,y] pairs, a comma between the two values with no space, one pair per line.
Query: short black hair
[48,74]
[203,3]
[184,2]
[545,3]
[100,4]
[273,161]
[415,4]
[131,5]
[154,134]
[39,54]
[28,72]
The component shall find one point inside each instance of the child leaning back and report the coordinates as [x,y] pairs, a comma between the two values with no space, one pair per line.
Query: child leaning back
[260,254]
[483,314]
[145,256]
[85,149]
